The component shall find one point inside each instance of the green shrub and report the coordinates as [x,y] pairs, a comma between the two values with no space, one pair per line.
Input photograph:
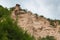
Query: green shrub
[48,38]
[10,30]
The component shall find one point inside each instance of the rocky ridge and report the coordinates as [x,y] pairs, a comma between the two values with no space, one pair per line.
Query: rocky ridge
[35,25]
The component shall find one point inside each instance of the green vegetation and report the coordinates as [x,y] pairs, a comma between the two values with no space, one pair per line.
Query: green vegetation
[48,38]
[42,16]
[52,23]
[8,29]
[3,11]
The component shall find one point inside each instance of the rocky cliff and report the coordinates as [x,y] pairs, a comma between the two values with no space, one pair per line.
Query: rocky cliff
[35,25]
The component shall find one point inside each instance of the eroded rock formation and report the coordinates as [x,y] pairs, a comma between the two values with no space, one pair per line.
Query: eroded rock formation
[37,26]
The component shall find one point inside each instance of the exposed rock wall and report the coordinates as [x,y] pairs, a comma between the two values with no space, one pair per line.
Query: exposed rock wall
[36,25]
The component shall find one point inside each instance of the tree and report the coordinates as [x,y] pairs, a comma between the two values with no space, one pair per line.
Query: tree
[3,11]
[9,30]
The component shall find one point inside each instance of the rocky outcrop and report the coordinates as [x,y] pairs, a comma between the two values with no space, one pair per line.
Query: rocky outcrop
[38,26]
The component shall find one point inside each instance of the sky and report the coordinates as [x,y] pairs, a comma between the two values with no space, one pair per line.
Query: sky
[48,8]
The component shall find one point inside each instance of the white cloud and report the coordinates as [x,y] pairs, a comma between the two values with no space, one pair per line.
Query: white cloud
[48,8]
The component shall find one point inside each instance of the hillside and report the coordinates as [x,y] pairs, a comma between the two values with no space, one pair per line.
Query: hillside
[37,26]
[9,30]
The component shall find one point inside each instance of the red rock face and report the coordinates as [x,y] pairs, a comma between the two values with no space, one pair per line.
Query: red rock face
[38,27]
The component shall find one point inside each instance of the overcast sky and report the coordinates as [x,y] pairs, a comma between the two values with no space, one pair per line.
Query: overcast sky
[47,8]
